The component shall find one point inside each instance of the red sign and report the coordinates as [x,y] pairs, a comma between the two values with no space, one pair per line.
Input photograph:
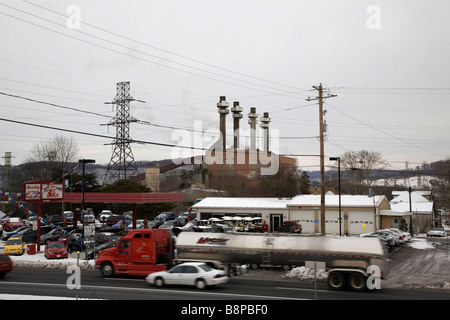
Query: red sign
[43,190]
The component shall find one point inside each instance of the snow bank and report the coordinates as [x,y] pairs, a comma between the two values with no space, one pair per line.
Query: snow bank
[38,260]
[303,273]
[422,244]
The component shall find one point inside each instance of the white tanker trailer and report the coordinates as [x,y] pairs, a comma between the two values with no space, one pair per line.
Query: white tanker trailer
[347,259]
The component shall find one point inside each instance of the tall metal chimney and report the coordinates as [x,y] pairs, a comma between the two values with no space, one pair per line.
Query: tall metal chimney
[252,120]
[223,111]
[237,115]
[265,120]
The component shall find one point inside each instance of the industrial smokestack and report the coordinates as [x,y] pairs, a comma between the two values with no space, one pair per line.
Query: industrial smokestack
[237,115]
[265,120]
[223,111]
[252,120]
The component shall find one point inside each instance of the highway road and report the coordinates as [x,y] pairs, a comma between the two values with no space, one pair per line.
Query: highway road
[44,282]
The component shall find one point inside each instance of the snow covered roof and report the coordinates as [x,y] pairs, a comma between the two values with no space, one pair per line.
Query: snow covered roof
[419,204]
[333,200]
[283,203]
[224,202]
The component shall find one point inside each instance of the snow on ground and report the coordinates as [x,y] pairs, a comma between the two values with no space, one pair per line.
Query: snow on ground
[418,243]
[303,273]
[38,260]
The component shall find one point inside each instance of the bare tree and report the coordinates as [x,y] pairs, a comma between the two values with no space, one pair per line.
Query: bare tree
[51,159]
[360,170]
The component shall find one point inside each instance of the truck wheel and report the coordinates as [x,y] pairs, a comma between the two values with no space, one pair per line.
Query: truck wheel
[107,270]
[336,281]
[357,282]
[254,266]
[200,284]
[286,267]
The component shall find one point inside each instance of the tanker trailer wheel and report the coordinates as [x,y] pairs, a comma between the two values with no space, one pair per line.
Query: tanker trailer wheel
[107,269]
[357,282]
[336,281]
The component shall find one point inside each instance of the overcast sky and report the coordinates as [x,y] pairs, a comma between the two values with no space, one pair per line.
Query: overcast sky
[387,62]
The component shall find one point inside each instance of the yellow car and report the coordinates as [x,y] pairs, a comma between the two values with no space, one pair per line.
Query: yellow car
[14,245]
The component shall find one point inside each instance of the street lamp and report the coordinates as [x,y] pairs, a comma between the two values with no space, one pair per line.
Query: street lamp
[338,159]
[83,161]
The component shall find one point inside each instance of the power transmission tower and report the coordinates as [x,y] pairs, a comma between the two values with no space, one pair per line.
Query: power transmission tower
[122,164]
[7,176]
[320,97]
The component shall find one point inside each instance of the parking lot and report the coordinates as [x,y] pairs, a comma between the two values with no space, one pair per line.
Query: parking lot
[422,263]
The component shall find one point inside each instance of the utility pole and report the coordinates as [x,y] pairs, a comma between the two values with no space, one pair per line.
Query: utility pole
[320,98]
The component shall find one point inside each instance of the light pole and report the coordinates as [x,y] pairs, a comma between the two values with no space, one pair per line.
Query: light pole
[339,190]
[83,161]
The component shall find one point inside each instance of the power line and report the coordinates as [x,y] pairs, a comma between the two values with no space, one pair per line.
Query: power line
[144,53]
[385,133]
[166,51]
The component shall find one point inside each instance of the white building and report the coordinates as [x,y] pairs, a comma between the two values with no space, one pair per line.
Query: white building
[359,214]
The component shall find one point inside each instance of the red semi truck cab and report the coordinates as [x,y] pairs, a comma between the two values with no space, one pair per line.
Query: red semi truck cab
[140,253]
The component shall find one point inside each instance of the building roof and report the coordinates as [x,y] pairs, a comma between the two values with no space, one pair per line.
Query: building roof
[242,203]
[283,203]
[333,200]
[419,204]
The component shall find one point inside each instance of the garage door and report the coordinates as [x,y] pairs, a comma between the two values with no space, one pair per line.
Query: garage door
[360,222]
[332,222]
[305,218]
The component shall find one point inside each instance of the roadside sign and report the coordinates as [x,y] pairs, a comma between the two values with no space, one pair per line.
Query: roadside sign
[89,230]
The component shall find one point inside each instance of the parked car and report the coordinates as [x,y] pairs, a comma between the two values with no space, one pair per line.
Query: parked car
[53,235]
[104,237]
[14,246]
[56,250]
[6,264]
[385,237]
[7,234]
[93,252]
[28,235]
[68,215]
[166,215]
[74,242]
[155,224]
[196,274]
[104,215]
[13,223]
[398,237]
[406,235]
[169,224]
[112,220]
[56,220]
[437,232]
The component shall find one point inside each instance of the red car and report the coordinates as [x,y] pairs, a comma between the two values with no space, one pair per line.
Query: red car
[6,264]
[56,250]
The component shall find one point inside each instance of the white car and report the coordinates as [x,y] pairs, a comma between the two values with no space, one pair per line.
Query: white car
[437,232]
[406,235]
[398,236]
[196,274]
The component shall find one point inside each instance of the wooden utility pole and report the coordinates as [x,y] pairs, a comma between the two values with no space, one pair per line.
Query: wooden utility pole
[320,98]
